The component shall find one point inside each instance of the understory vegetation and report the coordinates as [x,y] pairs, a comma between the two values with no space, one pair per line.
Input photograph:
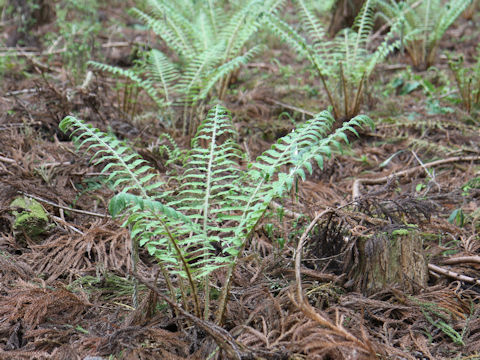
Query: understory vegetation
[232,180]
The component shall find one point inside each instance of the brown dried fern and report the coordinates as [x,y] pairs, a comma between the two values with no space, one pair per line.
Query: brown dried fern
[34,305]
[103,245]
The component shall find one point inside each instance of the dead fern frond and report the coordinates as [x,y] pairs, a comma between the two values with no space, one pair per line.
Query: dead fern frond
[34,305]
[103,244]
[23,355]
[14,269]
[334,334]
[160,343]
[54,340]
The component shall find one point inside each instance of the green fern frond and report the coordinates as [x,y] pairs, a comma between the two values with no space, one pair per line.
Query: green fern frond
[164,72]
[312,25]
[146,85]
[192,79]
[205,31]
[363,27]
[173,151]
[227,68]
[240,28]
[169,26]
[214,15]
[453,11]
[123,166]
[210,173]
[290,157]
[289,35]
[387,46]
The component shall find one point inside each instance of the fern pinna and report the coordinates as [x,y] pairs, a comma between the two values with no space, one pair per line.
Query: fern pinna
[204,224]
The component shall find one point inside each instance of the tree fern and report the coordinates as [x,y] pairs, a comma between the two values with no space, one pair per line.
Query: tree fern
[204,223]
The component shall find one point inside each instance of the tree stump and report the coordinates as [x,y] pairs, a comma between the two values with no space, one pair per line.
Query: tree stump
[28,16]
[390,259]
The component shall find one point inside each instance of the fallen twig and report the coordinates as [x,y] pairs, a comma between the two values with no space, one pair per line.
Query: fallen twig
[309,273]
[290,107]
[462,260]
[453,274]
[223,338]
[64,223]
[298,252]
[376,181]
[431,176]
[28,52]
[23,91]
[337,327]
[18,125]
[7,160]
[64,207]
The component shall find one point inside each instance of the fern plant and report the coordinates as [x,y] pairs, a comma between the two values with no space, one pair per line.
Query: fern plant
[344,64]
[468,82]
[423,24]
[204,224]
[471,9]
[209,43]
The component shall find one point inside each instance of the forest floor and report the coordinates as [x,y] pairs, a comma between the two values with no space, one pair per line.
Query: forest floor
[67,293]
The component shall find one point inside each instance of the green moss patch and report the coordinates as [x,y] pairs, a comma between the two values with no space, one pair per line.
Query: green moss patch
[30,217]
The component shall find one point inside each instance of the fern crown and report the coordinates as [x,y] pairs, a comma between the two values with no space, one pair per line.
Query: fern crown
[208,41]
[204,223]
[344,63]
[422,23]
